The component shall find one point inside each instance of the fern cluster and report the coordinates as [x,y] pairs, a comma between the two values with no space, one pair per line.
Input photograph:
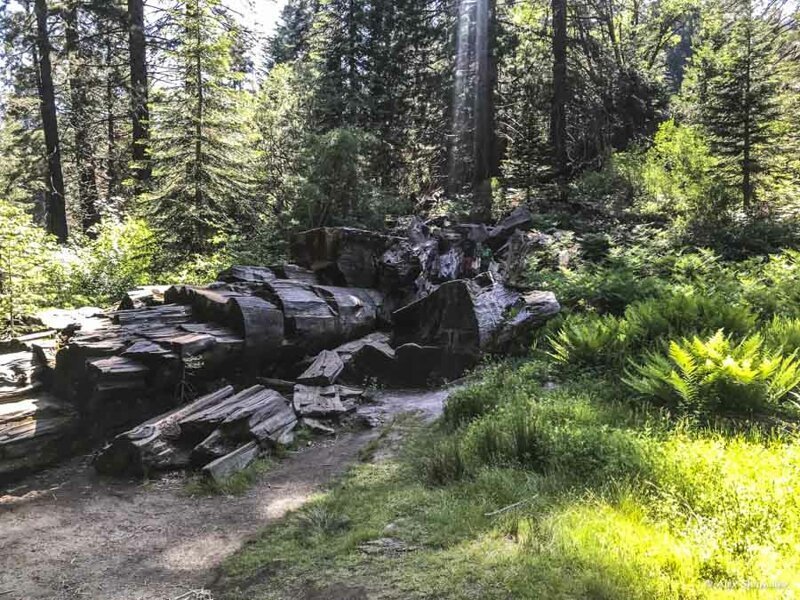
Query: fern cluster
[592,340]
[717,374]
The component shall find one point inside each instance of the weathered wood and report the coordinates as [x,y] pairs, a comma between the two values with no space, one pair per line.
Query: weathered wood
[239,407]
[261,323]
[33,433]
[155,445]
[246,274]
[313,401]
[223,468]
[309,321]
[279,385]
[520,218]
[19,374]
[149,295]
[163,315]
[356,309]
[295,273]
[342,256]
[325,369]
[215,446]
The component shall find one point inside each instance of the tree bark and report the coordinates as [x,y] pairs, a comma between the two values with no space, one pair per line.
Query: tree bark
[558,109]
[485,146]
[54,195]
[140,109]
[84,157]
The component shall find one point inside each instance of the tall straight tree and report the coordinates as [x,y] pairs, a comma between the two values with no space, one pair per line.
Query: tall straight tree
[54,191]
[140,110]
[558,108]
[80,120]
[740,83]
[202,188]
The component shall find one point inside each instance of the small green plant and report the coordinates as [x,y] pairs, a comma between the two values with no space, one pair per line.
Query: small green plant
[591,341]
[443,463]
[783,334]
[717,375]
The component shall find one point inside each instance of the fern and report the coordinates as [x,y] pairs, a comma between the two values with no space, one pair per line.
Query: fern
[704,375]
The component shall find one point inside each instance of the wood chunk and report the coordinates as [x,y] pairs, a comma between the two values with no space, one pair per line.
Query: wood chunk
[318,426]
[191,344]
[357,309]
[200,424]
[156,444]
[312,401]
[33,433]
[19,374]
[295,273]
[117,367]
[308,319]
[342,256]
[273,426]
[215,446]
[246,274]
[279,385]
[520,218]
[261,323]
[325,369]
[223,468]
[148,295]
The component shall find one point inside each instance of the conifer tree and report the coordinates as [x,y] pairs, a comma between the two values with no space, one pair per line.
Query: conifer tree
[736,86]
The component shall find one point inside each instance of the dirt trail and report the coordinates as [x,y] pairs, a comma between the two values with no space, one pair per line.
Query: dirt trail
[68,534]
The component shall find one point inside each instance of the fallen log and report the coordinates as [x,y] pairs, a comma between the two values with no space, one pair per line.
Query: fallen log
[325,369]
[314,401]
[34,432]
[155,445]
[224,467]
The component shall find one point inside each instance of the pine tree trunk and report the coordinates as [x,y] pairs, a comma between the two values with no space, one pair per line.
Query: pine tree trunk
[84,156]
[55,201]
[140,110]
[558,109]
[112,168]
[485,159]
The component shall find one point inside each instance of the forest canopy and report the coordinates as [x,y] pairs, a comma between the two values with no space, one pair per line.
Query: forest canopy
[173,122]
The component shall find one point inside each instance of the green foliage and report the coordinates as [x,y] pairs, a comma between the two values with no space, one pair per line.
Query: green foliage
[339,185]
[203,156]
[717,375]
[121,257]
[679,175]
[593,341]
[25,254]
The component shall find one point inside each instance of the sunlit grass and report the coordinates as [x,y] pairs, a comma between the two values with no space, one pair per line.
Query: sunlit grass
[665,510]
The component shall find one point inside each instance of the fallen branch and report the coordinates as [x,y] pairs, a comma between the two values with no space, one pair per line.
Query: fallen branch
[509,507]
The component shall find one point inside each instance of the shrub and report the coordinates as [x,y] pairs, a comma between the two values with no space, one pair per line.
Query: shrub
[683,314]
[121,257]
[591,341]
[716,374]
[783,334]
[26,257]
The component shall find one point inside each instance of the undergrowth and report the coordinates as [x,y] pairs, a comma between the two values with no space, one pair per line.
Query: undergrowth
[647,449]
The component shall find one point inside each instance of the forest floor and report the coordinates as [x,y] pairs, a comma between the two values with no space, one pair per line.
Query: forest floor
[68,534]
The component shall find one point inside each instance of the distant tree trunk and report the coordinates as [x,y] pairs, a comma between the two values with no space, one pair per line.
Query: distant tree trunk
[84,156]
[747,144]
[199,114]
[56,204]
[558,109]
[140,110]
[112,168]
[485,147]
